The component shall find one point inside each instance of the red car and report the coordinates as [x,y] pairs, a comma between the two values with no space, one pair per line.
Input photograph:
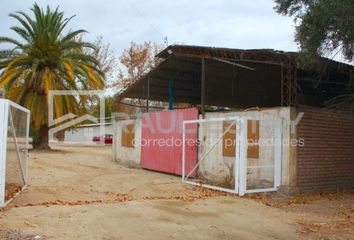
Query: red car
[107,139]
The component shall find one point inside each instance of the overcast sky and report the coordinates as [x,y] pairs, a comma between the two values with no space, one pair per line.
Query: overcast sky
[219,23]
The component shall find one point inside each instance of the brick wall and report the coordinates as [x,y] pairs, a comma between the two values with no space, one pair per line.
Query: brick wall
[326,161]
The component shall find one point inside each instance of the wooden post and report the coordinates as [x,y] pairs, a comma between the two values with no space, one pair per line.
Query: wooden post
[147,95]
[202,94]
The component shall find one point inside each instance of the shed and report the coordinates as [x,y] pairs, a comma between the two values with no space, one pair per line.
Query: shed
[272,83]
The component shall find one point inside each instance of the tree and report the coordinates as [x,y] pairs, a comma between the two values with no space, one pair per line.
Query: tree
[136,61]
[322,26]
[107,62]
[109,107]
[47,59]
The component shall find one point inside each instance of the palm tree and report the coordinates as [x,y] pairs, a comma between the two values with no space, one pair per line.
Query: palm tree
[46,59]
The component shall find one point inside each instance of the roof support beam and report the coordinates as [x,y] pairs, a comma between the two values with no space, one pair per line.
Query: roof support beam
[202,93]
[233,63]
[147,94]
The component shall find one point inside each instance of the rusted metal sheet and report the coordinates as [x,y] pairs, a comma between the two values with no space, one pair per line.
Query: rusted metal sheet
[161,140]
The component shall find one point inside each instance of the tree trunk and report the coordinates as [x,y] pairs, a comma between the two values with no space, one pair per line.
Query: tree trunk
[60,135]
[43,140]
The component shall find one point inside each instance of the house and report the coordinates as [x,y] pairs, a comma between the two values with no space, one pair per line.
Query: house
[268,94]
[84,133]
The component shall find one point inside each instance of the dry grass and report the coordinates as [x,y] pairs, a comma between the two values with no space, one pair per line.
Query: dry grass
[115,198]
[11,190]
[198,194]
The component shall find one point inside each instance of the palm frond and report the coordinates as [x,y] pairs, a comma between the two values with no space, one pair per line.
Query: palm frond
[49,59]
[73,35]
[32,25]
[10,40]
[23,22]
[23,33]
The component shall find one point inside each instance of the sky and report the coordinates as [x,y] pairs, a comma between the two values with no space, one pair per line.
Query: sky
[217,23]
[243,24]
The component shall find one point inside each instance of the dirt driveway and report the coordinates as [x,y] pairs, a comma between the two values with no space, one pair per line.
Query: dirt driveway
[79,193]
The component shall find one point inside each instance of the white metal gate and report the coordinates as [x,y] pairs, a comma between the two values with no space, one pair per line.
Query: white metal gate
[14,145]
[249,164]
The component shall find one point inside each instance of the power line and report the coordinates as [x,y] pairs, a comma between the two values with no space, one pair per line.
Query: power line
[146,20]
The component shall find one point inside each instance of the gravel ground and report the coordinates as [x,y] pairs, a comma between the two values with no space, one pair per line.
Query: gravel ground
[79,193]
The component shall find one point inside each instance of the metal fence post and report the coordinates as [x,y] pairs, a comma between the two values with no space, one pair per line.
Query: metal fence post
[4,110]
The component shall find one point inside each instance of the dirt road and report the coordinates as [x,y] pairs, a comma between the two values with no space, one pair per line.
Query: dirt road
[79,193]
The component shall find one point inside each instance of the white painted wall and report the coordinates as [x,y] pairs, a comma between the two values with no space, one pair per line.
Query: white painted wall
[84,134]
[216,167]
[126,155]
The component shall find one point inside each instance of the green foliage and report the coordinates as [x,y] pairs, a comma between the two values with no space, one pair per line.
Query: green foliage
[110,106]
[322,26]
[46,58]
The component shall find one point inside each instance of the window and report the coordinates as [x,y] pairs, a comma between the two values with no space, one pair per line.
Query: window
[229,139]
[128,135]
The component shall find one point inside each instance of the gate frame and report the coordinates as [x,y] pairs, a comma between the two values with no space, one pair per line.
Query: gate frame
[4,117]
[240,153]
